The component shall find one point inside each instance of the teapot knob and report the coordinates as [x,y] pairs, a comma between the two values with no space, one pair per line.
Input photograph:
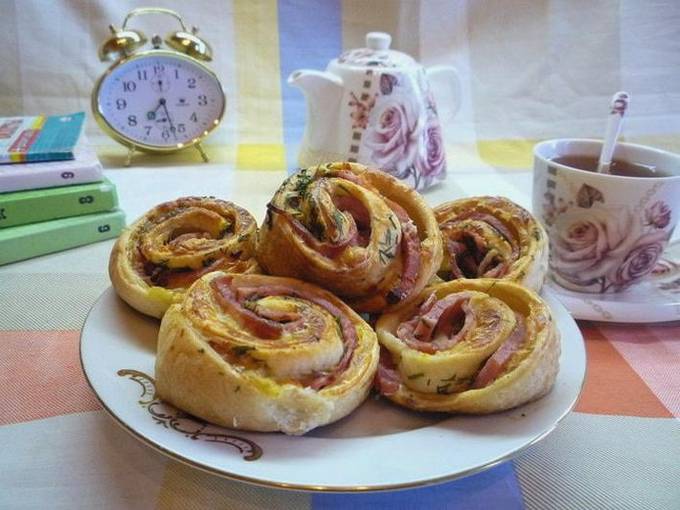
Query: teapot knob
[378,40]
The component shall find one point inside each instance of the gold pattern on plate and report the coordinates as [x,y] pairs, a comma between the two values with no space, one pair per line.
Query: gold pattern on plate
[175,419]
[595,306]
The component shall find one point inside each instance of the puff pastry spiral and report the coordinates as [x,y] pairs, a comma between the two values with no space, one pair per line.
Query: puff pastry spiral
[358,232]
[264,353]
[159,256]
[468,346]
[492,237]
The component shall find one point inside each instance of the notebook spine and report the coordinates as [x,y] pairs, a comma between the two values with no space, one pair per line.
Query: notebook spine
[27,241]
[23,207]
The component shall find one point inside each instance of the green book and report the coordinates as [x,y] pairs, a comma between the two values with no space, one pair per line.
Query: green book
[26,241]
[23,207]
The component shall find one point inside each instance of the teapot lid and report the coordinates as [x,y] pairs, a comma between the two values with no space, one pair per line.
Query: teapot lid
[377,53]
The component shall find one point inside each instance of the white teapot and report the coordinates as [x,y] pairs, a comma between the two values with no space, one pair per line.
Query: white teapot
[374,106]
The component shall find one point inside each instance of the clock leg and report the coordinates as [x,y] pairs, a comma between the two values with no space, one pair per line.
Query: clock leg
[199,147]
[128,160]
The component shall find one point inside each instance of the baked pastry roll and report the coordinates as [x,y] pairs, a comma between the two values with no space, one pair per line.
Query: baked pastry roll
[358,232]
[492,237]
[468,346]
[160,255]
[264,353]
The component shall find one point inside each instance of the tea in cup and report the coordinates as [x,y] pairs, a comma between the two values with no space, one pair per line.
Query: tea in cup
[607,231]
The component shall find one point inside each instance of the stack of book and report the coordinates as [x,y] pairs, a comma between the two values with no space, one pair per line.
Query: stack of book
[53,194]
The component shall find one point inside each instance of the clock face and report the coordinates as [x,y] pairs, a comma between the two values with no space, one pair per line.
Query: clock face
[164,101]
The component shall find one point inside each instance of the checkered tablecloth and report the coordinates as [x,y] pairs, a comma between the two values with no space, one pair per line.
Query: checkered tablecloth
[618,449]
[533,70]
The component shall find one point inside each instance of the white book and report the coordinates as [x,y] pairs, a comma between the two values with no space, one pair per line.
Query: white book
[83,169]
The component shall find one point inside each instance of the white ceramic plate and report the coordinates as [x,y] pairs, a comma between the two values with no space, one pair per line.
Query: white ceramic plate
[655,299]
[379,446]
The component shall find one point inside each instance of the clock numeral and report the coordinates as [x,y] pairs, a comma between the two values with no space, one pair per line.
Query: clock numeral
[121,104]
[141,74]
[191,83]
[129,86]
[148,130]
[202,100]
[193,117]
[132,120]
[158,68]
[165,134]
[176,74]
[181,128]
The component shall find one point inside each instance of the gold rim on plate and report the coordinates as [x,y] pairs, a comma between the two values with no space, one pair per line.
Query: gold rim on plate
[310,487]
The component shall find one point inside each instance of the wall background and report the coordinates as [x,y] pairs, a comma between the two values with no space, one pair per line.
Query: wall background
[531,69]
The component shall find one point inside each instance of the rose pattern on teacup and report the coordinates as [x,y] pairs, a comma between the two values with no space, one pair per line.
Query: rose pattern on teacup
[659,214]
[603,249]
[641,260]
[665,267]
[402,138]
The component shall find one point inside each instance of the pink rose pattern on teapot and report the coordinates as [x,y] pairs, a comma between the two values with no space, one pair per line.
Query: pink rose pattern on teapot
[374,106]
[399,135]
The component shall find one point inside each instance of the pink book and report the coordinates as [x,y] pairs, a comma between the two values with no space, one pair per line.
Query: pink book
[83,169]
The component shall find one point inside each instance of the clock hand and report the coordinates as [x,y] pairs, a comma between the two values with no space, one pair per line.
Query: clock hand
[161,101]
[151,115]
[167,115]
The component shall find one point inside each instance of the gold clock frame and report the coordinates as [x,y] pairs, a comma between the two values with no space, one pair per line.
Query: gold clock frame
[127,40]
[133,145]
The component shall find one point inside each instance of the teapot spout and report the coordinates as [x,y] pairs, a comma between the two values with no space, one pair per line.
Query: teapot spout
[314,84]
[323,91]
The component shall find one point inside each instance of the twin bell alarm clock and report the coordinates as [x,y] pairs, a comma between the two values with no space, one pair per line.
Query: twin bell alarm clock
[161,99]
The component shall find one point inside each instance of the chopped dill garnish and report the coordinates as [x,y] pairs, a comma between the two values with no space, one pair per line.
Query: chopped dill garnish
[250,304]
[240,350]
[338,217]
[302,183]
[387,248]
[442,389]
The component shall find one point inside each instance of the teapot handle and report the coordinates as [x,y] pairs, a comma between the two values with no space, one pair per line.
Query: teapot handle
[451,76]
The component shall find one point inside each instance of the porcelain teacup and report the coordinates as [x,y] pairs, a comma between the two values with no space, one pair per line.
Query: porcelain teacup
[606,232]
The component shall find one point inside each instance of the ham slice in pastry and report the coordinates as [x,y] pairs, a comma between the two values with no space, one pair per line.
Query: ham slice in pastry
[468,346]
[358,232]
[159,256]
[264,353]
[492,237]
